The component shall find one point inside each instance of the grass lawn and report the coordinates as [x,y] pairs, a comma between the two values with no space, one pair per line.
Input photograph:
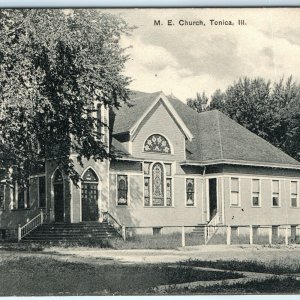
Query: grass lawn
[26,276]
[269,286]
[273,266]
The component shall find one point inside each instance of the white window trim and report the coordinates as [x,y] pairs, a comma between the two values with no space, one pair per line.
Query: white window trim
[239,193]
[17,198]
[195,189]
[279,194]
[128,189]
[152,162]
[259,193]
[160,153]
[297,197]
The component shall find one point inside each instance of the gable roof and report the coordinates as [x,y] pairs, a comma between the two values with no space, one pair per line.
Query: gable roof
[142,105]
[217,138]
[128,114]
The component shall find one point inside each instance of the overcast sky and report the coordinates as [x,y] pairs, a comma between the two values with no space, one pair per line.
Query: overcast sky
[189,59]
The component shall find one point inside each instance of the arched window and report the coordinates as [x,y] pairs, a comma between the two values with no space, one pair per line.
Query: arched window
[58,178]
[89,196]
[157,143]
[158,178]
[90,175]
[59,200]
[122,189]
[158,185]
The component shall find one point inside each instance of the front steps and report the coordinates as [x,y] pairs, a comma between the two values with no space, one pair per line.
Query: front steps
[75,232]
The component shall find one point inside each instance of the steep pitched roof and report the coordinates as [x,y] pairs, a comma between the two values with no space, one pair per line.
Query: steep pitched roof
[129,113]
[216,137]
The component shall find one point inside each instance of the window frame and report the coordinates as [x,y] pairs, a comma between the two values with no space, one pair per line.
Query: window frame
[14,202]
[239,192]
[127,190]
[154,152]
[39,199]
[259,193]
[272,194]
[170,177]
[297,194]
[194,191]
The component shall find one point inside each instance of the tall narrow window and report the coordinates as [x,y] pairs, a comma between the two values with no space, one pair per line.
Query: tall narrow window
[27,198]
[42,192]
[169,191]
[294,194]
[255,193]
[190,192]
[275,193]
[157,185]
[14,197]
[2,195]
[235,190]
[147,191]
[21,198]
[122,189]
[99,120]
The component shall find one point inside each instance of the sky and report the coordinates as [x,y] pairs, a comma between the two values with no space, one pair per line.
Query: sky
[184,60]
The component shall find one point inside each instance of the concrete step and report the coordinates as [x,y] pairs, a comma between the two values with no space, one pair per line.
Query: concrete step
[72,232]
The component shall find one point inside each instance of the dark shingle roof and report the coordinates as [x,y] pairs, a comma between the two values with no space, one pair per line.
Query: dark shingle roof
[129,113]
[118,148]
[216,137]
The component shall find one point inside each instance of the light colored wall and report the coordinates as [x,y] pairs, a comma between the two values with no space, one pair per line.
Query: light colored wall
[266,214]
[135,214]
[159,121]
[101,169]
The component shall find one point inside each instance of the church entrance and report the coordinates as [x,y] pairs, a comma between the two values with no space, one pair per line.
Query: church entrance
[59,199]
[89,196]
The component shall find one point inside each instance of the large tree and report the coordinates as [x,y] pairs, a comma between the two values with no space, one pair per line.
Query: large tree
[198,103]
[271,111]
[54,65]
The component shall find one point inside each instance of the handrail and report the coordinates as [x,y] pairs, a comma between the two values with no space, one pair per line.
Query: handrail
[211,228]
[121,229]
[30,225]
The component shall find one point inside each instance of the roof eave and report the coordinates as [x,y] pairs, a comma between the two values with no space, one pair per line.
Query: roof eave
[182,125]
[239,162]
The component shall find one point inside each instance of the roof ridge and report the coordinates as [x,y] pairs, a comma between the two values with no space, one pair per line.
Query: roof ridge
[277,149]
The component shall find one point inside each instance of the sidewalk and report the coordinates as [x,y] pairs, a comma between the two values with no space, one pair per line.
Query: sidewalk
[209,252]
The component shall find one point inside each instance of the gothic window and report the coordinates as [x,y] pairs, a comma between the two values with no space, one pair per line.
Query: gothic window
[90,175]
[157,184]
[190,191]
[157,143]
[122,189]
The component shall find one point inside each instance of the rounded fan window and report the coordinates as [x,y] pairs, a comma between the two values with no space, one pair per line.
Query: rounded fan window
[157,143]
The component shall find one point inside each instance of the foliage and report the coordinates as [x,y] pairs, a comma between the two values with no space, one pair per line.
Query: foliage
[199,103]
[271,111]
[55,65]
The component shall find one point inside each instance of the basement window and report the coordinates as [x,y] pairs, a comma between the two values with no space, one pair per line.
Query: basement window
[157,230]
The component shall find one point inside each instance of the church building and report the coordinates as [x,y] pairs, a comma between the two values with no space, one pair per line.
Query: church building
[175,167]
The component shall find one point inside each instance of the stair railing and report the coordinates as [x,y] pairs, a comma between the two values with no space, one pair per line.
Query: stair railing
[211,228]
[121,229]
[30,225]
